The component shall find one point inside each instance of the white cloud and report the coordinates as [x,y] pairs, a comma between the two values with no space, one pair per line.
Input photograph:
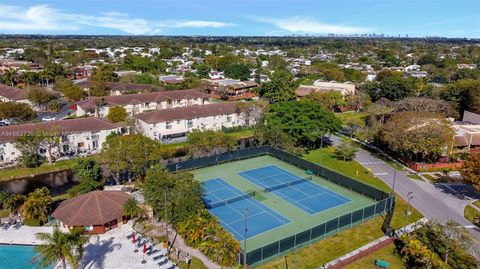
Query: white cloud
[306,25]
[44,18]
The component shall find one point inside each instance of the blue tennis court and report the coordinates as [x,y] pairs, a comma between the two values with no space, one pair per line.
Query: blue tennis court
[302,193]
[231,215]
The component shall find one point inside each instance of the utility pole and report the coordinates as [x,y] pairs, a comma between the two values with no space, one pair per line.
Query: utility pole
[245,239]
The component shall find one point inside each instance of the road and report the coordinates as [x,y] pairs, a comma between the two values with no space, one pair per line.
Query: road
[58,115]
[434,201]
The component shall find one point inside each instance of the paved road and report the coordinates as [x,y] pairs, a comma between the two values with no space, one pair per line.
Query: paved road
[432,200]
[64,111]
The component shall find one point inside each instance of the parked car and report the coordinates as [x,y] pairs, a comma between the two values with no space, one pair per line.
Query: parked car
[49,118]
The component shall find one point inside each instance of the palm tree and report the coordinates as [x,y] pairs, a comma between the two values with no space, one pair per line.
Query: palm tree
[131,208]
[28,77]
[79,240]
[57,246]
[10,76]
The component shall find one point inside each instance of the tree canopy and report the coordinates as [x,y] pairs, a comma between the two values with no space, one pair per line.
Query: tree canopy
[304,121]
[117,114]
[281,87]
[209,142]
[471,170]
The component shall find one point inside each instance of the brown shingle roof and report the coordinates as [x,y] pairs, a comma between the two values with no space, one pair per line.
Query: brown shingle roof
[9,133]
[140,98]
[12,93]
[93,208]
[188,112]
[119,86]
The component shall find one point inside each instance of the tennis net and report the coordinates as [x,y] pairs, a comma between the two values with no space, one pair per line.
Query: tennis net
[287,184]
[230,200]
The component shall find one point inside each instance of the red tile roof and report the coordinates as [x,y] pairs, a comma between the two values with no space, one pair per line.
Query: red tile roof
[9,133]
[93,208]
[140,98]
[12,93]
[188,112]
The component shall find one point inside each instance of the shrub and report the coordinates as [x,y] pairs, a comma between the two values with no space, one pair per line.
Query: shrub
[31,222]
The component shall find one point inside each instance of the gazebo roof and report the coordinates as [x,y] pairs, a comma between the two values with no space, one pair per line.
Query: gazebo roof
[93,208]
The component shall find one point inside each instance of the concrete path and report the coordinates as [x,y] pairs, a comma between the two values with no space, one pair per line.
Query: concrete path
[433,200]
[25,235]
[184,249]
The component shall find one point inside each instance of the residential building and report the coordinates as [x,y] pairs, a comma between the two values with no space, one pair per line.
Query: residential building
[469,66]
[123,73]
[345,89]
[12,94]
[76,136]
[174,124]
[118,88]
[216,75]
[418,74]
[171,79]
[139,103]
[467,136]
[230,89]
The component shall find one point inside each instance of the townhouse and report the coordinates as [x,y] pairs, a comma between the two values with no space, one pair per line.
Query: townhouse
[172,125]
[230,89]
[118,88]
[345,89]
[139,103]
[75,136]
[12,94]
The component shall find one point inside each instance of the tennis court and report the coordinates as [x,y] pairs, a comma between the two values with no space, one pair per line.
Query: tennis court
[228,204]
[300,192]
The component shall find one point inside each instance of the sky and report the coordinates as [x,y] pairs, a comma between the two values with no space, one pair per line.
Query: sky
[415,18]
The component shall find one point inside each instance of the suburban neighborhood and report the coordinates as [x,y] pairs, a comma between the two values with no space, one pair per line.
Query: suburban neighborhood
[134,138]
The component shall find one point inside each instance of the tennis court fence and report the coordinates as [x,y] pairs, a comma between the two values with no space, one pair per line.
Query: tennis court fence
[383,201]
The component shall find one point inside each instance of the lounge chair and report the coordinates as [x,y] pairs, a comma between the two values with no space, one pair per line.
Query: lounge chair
[152,251]
[161,256]
[163,262]
[17,225]
[5,226]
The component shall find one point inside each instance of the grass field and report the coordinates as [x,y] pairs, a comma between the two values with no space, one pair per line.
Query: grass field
[387,253]
[471,213]
[345,241]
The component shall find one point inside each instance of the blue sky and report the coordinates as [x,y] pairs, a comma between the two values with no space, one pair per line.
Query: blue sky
[455,18]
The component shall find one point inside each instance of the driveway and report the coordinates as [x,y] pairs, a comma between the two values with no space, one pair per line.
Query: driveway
[433,201]
[64,112]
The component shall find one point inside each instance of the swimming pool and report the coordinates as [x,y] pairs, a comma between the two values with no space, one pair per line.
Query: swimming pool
[16,256]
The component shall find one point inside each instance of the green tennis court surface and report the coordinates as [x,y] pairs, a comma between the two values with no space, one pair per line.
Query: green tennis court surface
[303,214]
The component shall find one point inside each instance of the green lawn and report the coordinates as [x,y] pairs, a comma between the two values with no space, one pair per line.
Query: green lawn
[471,213]
[387,253]
[323,251]
[195,264]
[10,173]
[352,115]
[413,176]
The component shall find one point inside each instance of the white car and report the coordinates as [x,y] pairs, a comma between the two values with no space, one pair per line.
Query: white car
[49,118]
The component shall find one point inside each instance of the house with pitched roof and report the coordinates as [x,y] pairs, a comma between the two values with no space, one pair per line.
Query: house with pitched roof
[139,103]
[12,94]
[83,136]
[172,125]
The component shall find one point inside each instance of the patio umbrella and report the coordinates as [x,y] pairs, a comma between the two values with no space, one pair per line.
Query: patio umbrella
[144,251]
[133,238]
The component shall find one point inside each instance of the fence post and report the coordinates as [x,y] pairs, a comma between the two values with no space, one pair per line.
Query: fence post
[375,209]
[351,219]
[310,241]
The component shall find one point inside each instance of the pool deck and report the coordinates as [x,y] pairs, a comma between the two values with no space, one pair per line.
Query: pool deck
[25,235]
[109,250]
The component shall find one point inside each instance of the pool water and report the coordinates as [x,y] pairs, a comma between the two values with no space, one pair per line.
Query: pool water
[16,256]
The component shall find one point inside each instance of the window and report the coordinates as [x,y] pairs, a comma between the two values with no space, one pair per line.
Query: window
[229,118]
[81,145]
[178,121]
[189,123]
[95,144]
[168,125]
